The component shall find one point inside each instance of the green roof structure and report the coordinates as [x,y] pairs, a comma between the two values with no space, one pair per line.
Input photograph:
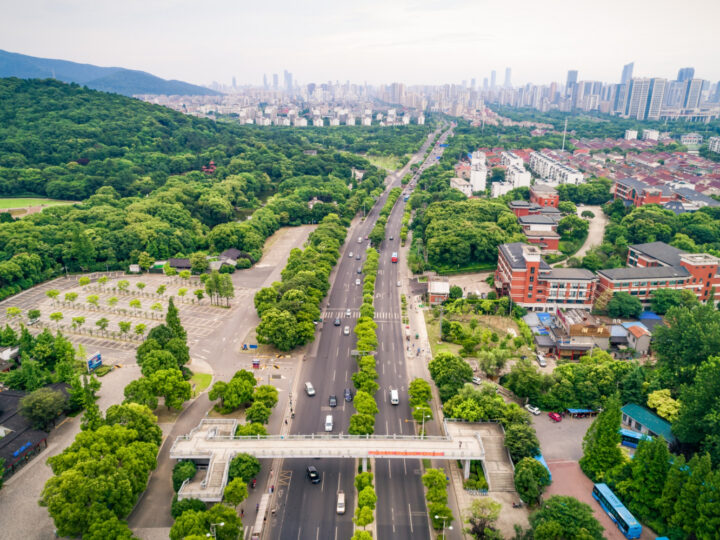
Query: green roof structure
[649,420]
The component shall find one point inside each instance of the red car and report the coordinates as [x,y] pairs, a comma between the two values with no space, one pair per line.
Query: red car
[555,417]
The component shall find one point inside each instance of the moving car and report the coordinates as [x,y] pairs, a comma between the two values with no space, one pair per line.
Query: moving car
[329,422]
[337,321]
[532,409]
[359,270]
[312,474]
[392,238]
[357,281]
[555,417]
[357,257]
[398,284]
[346,330]
[394,397]
[394,257]
[350,255]
[309,389]
[340,503]
[332,400]
[347,312]
[348,394]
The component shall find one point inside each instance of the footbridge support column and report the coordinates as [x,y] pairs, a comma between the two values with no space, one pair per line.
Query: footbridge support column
[466,469]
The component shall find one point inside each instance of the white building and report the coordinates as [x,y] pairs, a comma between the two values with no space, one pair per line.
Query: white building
[714,144]
[334,121]
[517,176]
[508,158]
[478,171]
[406,119]
[367,121]
[498,189]
[631,134]
[650,135]
[421,120]
[553,171]
[350,120]
[318,122]
[461,185]
[691,138]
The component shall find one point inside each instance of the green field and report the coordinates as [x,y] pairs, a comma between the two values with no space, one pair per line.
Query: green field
[24,203]
[389,163]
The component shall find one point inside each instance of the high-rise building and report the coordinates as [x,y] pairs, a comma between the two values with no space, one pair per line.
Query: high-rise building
[627,73]
[621,94]
[656,97]
[692,93]
[288,80]
[572,77]
[485,83]
[234,83]
[637,98]
[472,83]
[275,81]
[508,74]
[493,75]
[685,74]
[265,81]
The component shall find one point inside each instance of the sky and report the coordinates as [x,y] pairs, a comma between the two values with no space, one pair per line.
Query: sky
[373,41]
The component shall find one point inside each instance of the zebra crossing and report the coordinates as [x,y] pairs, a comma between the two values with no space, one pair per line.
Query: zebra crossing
[380,316]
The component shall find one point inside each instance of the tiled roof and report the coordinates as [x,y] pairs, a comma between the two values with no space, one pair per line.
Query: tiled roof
[650,420]
[647,272]
[665,253]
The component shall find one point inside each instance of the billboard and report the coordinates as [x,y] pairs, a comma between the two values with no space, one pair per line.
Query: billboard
[94,362]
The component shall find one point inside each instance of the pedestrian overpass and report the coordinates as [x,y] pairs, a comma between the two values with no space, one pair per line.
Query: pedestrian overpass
[213,444]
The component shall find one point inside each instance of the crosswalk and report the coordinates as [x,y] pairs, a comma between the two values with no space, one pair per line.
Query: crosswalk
[380,316]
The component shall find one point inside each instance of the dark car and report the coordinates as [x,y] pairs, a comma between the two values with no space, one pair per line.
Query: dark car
[337,322]
[333,400]
[313,475]
[357,257]
[348,395]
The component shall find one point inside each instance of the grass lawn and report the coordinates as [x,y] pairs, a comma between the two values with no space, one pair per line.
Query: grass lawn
[200,382]
[389,163]
[433,330]
[23,203]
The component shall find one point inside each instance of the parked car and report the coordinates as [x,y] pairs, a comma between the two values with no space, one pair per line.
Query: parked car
[332,400]
[312,474]
[477,380]
[348,394]
[532,409]
[541,360]
[555,417]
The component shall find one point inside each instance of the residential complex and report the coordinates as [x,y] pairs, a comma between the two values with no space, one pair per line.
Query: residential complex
[552,170]
[524,276]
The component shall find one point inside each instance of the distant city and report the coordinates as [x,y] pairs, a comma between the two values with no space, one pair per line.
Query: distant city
[282,101]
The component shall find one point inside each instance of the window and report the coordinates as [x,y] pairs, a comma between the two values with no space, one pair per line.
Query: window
[532,270]
[532,278]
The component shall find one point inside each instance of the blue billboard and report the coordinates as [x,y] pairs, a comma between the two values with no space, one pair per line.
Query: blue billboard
[94,362]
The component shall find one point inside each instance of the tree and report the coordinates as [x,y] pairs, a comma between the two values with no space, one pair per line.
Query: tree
[602,301]
[77,322]
[663,299]
[266,394]
[161,290]
[365,404]
[367,497]
[531,478]
[189,523]
[156,306]
[278,328]
[455,292]
[42,407]
[666,407]
[145,261]
[52,294]
[135,303]
[361,535]
[182,291]
[137,417]
[183,470]
[124,326]
[565,517]
[179,507]
[109,528]
[199,293]
[172,320]
[140,329]
[521,441]
[102,323]
[155,361]
[649,468]
[235,492]
[33,315]
[361,424]
[169,383]
[450,373]
[258,412]
[601,445]
[141,391]
[71,297]
[84,281]
[123,284]
[243,466]
[686,514]
[419,392]
[623,305]
[235,393]
[483,513]
[199,263]
[443,513]
[572,227]
[56,317]
[250,430]
[93,300]
[363,516]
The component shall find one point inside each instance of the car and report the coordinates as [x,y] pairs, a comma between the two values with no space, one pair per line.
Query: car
[336,322]
[359,270]
[312,474]
[398,284]
[357,257]
[332,400]
[350,255]
[532,409]
[346,330]
[348,394]
[347,312]
[541,360]
[392,238]
[477,380]
[309,389]
[357,281]
[555,417]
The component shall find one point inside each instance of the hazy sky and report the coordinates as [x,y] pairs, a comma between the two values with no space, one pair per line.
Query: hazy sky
[378,41]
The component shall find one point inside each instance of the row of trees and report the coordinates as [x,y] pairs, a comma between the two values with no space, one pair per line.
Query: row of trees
[435,482]
[288,308]
[377,235]
[367,499]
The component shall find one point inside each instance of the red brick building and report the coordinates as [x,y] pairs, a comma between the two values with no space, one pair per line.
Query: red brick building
[543,195]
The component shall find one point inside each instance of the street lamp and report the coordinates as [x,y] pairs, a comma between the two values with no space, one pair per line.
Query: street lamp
[444,518]
[213,531]
[422,429]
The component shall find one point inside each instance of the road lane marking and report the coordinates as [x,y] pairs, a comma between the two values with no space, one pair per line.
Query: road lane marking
[410,518]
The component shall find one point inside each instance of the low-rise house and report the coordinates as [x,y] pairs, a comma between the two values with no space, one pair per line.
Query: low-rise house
[638,418]
[179,264]
[438,290]
[638,337]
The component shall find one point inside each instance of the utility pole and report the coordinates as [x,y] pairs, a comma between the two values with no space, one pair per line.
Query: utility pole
[564,132]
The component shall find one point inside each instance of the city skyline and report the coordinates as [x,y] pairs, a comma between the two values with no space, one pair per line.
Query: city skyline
[414,42]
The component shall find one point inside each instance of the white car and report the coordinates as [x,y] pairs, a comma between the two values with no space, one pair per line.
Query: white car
[346,330]
[357,282]
[477,380]
[532,409]
[350,255]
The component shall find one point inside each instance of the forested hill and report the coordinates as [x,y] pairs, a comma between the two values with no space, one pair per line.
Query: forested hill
[138,170]
[128,82]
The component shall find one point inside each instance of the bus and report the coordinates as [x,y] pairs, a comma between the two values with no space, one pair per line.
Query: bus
[394,256]
[625,521]
[632,438]
[257,530]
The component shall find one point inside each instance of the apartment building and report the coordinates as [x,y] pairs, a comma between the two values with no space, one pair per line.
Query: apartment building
[509,159]
[650,135]
[714,144]
[553,171]
[691,138]
[461,185]
[478,171]
[517,176]
[638,193]
[631,134]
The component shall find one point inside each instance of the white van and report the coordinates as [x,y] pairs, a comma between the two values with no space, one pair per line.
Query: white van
[394,397]
[341,502]
[359,239]
[328,422]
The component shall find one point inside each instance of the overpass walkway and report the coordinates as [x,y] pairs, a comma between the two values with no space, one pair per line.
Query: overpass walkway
[213,443]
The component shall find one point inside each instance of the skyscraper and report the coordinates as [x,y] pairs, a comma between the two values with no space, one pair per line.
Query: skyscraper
[234,83]
[627,73]
[656,97]
[275,81]
[485,83]
[265,81]
[686,74]
[472,83]
[492,78]
[692,93]
[571,81]
[508,73]
[637,98]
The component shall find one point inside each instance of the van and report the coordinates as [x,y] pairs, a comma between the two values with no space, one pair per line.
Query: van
[328,422]
[341,502]
[541,360]
[394,397]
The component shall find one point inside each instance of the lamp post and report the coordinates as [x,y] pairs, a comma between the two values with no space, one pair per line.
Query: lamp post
[213,530]
[444,518]
[422,429]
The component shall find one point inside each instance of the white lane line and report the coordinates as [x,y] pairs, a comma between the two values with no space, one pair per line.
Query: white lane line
[333,375]
[389,469]
[392,515]
[317,534]
[410,516]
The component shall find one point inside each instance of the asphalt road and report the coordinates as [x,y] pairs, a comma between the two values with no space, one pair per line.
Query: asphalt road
[306,510]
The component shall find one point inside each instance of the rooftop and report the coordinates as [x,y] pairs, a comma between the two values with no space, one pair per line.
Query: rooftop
[650,420]
[516,252]
[660,251]
[570,274]
[648,272]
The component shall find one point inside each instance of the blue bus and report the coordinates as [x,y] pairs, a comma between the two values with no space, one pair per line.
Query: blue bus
[625,521]
[632,438]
